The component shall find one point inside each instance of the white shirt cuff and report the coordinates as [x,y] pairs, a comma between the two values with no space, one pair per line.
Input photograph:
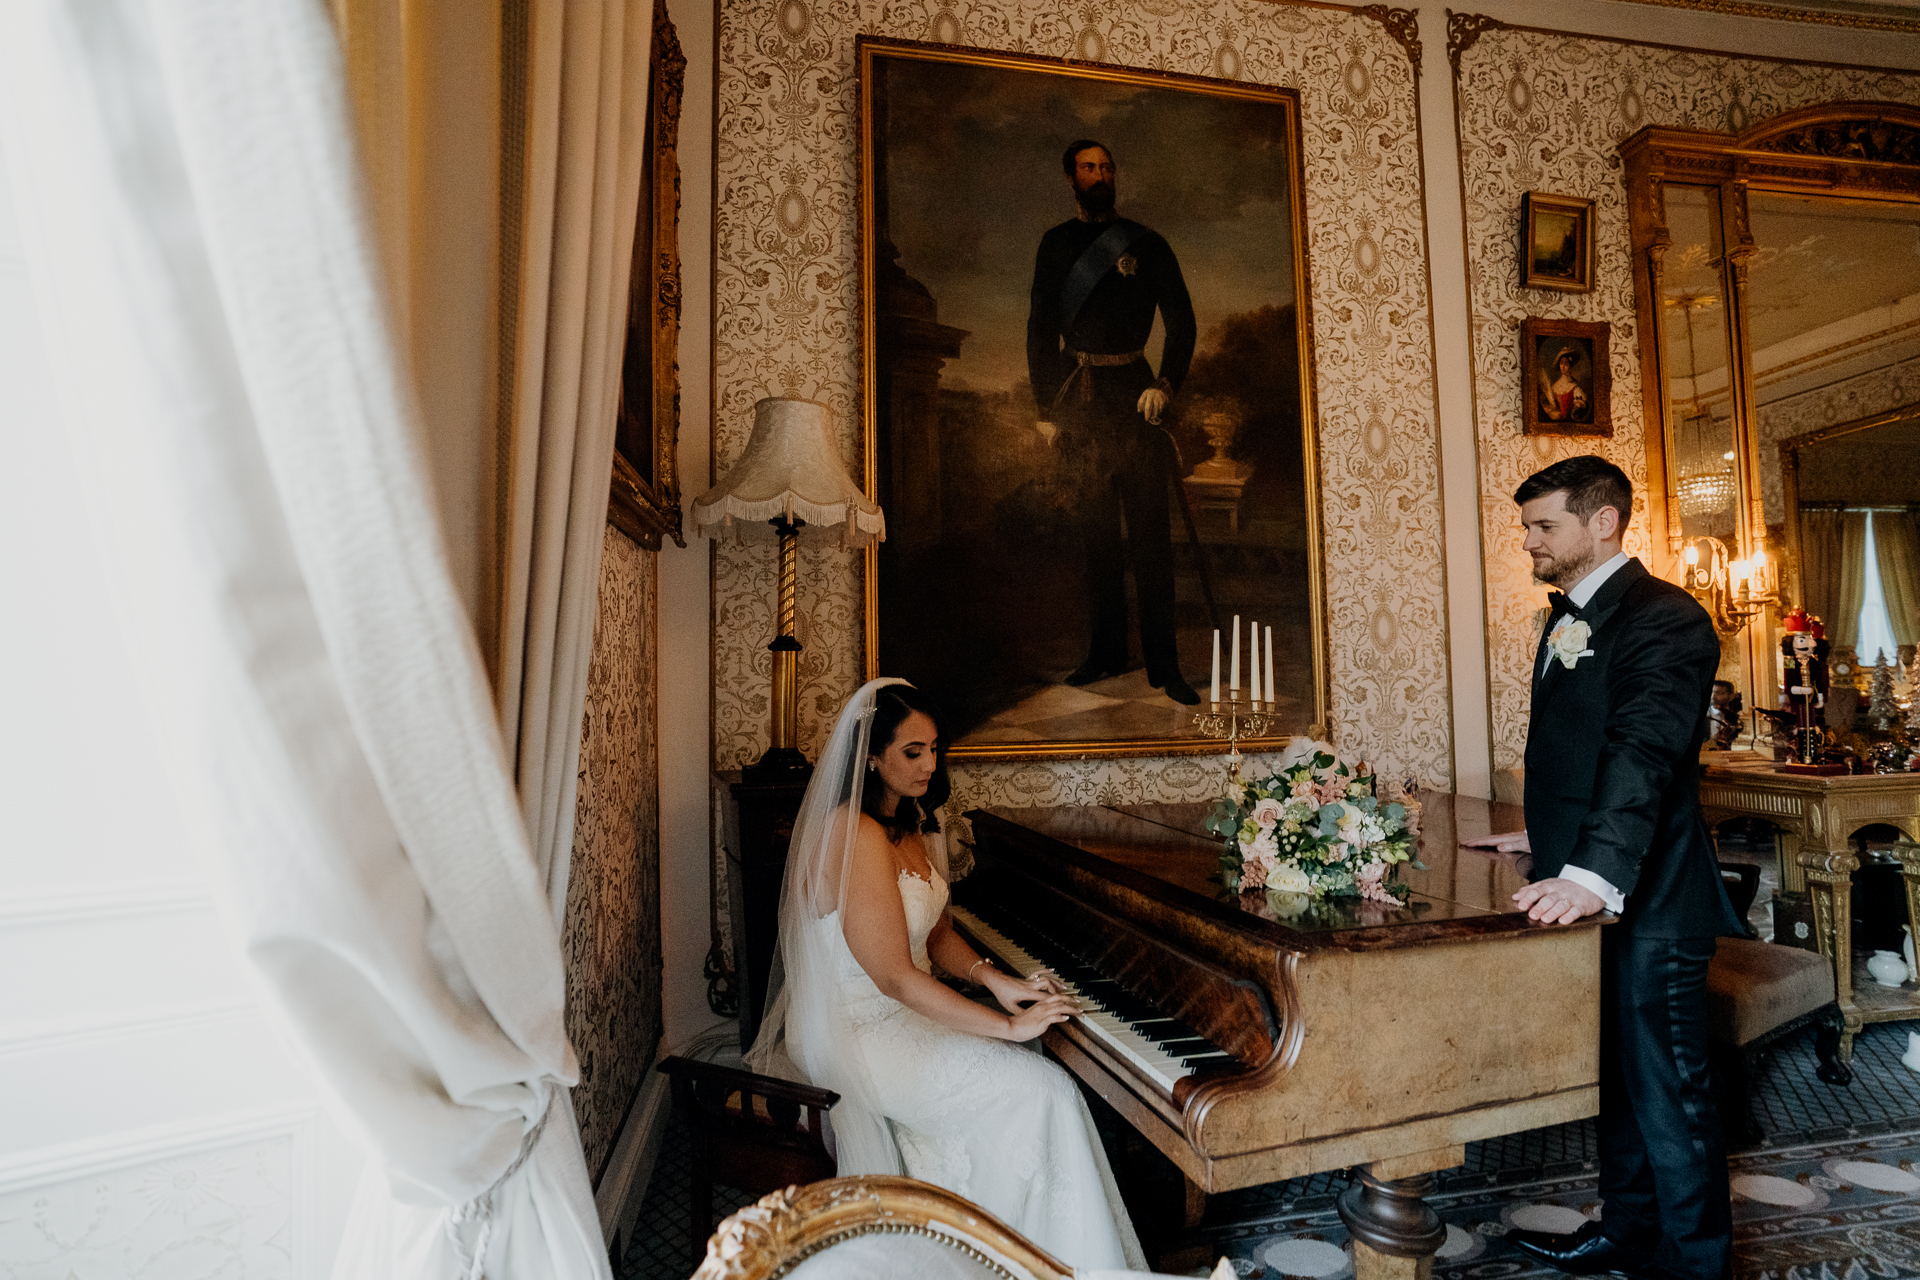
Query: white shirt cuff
[1615,901]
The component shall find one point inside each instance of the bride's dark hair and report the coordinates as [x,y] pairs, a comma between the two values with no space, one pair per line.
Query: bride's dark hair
[892,704]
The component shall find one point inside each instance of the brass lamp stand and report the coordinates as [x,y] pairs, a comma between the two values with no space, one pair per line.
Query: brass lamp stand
[783,757]
[789,481]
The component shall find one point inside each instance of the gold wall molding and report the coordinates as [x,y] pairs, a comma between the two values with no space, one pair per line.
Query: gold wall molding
[1784,13]
[786,322]
[1546,110]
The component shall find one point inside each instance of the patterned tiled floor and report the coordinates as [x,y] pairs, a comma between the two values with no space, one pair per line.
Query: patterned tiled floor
[1793,1105]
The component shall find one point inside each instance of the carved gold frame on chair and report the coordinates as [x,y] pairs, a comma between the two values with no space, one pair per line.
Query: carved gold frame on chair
[645,500]
[771,1238]
[867,48]
[1844,150]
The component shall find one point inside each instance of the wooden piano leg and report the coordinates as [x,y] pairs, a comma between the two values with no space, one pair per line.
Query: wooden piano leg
[1395,1233]
[1196,1203]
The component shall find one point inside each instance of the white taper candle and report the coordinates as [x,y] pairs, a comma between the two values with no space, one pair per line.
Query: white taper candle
[1233,671]
[1269,664]
[1253,662]
[1216,664]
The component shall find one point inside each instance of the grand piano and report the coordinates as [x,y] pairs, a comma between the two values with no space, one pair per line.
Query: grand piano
[1250,1045]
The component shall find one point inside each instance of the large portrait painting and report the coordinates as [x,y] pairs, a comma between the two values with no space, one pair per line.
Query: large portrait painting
[1087,406]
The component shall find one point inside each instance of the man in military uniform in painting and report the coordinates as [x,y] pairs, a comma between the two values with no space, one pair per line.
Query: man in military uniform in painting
[1097,281]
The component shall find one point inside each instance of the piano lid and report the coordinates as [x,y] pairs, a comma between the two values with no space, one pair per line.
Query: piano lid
[1163,850]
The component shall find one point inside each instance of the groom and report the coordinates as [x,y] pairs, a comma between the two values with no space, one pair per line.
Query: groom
[1621,684]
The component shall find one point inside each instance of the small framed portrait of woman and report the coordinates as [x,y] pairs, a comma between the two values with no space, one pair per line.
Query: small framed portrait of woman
[1556,242]
[1565,379]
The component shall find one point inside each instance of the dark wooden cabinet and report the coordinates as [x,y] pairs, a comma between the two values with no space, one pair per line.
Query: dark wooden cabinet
[756,826]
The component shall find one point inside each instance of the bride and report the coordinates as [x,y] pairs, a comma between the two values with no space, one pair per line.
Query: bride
[931,1084]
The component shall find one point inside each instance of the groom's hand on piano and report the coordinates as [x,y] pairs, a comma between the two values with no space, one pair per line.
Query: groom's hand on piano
[1040,1015]
[1557,901]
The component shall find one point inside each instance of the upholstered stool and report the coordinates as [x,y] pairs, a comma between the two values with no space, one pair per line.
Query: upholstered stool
[1757,995]
[753,1132]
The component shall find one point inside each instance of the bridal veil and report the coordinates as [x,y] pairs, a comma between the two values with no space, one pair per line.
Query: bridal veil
[808,1017]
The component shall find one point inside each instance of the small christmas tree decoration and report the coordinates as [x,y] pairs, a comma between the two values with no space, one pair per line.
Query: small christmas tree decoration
[1881,705]
[1913,710]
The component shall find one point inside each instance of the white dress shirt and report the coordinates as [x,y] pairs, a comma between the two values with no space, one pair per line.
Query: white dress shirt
[1582,592]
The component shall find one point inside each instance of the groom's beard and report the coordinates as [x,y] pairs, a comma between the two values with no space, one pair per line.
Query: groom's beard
[1567,571]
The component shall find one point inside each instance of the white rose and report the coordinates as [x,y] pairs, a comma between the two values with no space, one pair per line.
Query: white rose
[1568,641]
[1289,878]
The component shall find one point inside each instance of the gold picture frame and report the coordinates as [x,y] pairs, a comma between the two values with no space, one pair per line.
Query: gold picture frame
[917,318]
[644,502]
[1556,242]
[1566,378]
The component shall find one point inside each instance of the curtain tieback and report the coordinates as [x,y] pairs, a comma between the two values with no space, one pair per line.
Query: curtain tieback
[480,1208]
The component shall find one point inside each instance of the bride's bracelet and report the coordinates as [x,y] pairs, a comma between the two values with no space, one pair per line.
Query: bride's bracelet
[975,965]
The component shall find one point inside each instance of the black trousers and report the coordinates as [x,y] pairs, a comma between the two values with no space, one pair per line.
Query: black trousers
[1119,464]
[1663,1161]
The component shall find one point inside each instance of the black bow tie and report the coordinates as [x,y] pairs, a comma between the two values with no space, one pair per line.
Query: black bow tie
[1560,604]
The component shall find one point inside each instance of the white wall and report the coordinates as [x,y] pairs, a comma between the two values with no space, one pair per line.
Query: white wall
[685,591]
[151,1121]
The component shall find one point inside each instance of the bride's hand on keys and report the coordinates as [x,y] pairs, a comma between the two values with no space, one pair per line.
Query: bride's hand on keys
[1040,1015]
[1015,993]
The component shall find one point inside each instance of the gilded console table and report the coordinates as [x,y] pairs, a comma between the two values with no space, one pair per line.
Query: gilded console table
[1814,820]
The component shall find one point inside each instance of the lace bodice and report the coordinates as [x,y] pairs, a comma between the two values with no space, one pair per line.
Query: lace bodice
[924,900]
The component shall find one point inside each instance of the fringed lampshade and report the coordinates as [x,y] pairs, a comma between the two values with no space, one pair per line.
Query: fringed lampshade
[789,479]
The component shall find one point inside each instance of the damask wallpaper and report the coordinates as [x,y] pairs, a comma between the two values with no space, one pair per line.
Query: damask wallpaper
[786,322]
[1543,111]
[611,936]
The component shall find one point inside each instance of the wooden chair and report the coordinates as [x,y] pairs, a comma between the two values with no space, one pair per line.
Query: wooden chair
[1758,994]
[754,1132]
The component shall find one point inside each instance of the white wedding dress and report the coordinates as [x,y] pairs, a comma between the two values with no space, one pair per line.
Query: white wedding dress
[988,1119]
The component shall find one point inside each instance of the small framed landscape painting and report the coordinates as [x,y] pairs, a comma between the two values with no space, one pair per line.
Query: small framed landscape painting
[1565,381]
[1556,242]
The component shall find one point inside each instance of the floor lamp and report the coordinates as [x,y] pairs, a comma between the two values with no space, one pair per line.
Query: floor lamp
[790,480]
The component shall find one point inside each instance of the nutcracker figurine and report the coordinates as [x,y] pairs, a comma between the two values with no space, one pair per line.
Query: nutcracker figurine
[1803,654]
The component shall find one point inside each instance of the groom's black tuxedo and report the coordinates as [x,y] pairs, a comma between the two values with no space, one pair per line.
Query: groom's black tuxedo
[1612,786]
[1613,756]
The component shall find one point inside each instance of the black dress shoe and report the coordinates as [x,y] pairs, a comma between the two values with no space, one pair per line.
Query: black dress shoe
[1094,669]
[1581,1253]
[1181,692]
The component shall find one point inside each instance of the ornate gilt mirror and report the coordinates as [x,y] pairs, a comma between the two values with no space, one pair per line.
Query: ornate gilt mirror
[1777,280]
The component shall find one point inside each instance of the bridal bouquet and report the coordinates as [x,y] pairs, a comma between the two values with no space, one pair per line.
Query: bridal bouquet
[1315,827]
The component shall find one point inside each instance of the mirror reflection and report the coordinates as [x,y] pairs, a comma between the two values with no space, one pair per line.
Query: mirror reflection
[1833,309]
[1694,326]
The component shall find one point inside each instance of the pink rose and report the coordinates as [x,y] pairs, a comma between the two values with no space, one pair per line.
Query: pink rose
[1302,788]
[1267,812]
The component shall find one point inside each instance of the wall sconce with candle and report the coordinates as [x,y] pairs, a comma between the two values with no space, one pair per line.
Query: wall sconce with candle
[1733,592]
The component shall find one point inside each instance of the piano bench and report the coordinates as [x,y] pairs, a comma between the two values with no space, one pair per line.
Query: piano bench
[757,1133]
[1758,994]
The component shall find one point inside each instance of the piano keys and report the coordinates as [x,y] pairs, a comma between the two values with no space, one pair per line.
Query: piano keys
[1250,1045]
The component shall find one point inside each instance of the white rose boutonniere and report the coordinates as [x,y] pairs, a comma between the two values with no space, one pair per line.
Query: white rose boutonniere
[1568,641]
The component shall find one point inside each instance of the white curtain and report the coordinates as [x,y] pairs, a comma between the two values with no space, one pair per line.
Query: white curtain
[1843,628]
[587,115]
[211,291]
[1896,545]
